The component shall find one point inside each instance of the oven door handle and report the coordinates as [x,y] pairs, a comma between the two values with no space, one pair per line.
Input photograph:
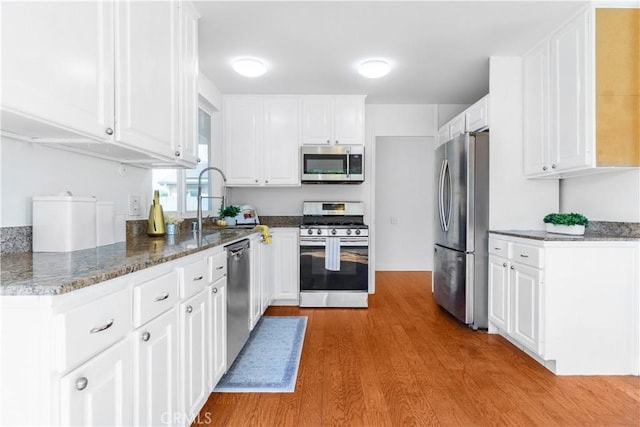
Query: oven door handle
[310,241]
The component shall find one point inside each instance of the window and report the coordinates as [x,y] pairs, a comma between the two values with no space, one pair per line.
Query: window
[179,187]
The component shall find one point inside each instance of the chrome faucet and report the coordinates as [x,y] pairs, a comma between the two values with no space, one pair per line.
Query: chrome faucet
[224,194]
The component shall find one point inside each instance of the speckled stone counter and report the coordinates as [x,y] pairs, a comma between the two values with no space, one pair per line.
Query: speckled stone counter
[596,231]
[30,273]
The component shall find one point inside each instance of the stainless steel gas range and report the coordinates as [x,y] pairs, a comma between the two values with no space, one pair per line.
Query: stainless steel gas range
[334,255]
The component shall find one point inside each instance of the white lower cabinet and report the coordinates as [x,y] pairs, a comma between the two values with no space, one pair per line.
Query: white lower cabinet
[218,331]
[155,372]
[194,333]
[571,305]
[98,393]
[285,274]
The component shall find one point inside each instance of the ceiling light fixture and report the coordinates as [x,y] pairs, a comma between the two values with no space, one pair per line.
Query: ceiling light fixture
[249,67]
[374,68]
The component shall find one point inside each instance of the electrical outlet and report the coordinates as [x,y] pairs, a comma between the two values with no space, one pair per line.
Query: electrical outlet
[395,220]
[134,205]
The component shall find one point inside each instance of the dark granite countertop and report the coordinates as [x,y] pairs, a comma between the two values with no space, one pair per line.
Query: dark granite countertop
[554,237]
[28,273]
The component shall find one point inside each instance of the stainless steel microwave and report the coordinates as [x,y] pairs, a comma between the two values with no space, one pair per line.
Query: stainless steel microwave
[333,164]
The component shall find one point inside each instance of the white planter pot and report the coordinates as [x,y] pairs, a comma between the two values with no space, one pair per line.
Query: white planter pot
[576,230]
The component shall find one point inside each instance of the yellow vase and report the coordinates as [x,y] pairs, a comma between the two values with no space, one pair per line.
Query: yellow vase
[155,225]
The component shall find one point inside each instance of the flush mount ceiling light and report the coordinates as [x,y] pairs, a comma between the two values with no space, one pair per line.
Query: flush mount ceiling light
[249,67]
[374,68]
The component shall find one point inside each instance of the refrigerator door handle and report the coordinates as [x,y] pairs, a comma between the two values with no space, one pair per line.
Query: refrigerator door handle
[446,218]
[441,196]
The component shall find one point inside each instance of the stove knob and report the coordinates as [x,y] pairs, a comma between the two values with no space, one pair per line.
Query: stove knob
[310,231]
[358,232]
[348,232]
[319,232]
[333,231]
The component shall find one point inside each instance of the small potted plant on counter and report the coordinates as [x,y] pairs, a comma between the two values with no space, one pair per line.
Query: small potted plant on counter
[566,223]
[173,222]
[229,214]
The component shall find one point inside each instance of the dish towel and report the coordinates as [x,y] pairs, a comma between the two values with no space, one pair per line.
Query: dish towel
[266,236]
[332,254]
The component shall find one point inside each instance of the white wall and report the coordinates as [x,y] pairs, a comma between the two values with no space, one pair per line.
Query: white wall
[404,203]
[516,203]
[611,196]
[30,169]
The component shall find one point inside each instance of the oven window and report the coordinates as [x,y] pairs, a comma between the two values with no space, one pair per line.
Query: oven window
[352,276]
[326,164]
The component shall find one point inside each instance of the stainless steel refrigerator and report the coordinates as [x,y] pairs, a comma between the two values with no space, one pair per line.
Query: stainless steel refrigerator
[461,227]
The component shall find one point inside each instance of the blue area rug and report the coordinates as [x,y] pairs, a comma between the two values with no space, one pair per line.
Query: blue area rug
[268,362]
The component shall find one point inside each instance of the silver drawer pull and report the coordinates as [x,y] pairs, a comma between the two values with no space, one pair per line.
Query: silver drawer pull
[189,309]
[162,297]
[524,256]
[146,336]
[497,249]
[214,290]
[82,383]
[195,279]
[220,267]
[102,328]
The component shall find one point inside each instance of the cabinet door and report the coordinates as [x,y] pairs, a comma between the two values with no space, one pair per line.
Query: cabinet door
[218,332]
[57,67]
[499,292]
[348,120]
[317,120]
[242,130]
[266,290]
[286,279]
[456,126]
[256,251]
[281,135]
[569,90]
[525,303]
[187,144]
[155,372]
[147,75]
[194,347]
[98,393]
[477,116]
[536,109]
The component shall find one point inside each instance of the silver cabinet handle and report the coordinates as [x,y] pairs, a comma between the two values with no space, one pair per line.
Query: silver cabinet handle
[266,181]
[504,264]
[497,249]
[162,297]
[195,279]
[553,166]
[544,168]
[512,267]
[220,267]
[189,309]
[214,290]
[337,142]
[256,180]
[108,131]
[146,336]
[328,142]
[102,328]
[177,153]
[82,383]
[524,256]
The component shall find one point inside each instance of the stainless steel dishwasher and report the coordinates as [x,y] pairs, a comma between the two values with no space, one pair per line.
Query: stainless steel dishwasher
[238,277]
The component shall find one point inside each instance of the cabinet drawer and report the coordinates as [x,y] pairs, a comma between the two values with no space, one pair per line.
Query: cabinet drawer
[154,297]
[86,330]
[194,277]
[499,247]
[218,266]
[528,255]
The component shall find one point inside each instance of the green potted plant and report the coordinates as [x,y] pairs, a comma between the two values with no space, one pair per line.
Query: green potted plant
[566,223]
[229,213]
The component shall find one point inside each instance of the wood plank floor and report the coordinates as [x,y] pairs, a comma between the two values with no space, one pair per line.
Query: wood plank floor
[404,361]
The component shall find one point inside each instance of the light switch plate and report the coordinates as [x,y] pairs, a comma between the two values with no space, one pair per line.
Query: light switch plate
[134,205]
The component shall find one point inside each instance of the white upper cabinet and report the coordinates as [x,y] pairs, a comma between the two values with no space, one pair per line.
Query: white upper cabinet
[457,125]
[580,96]
[476,117]
[443,135]
[536,90]
[147,76]
[103,79]
[57,66]
[260,140]
[333,119]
